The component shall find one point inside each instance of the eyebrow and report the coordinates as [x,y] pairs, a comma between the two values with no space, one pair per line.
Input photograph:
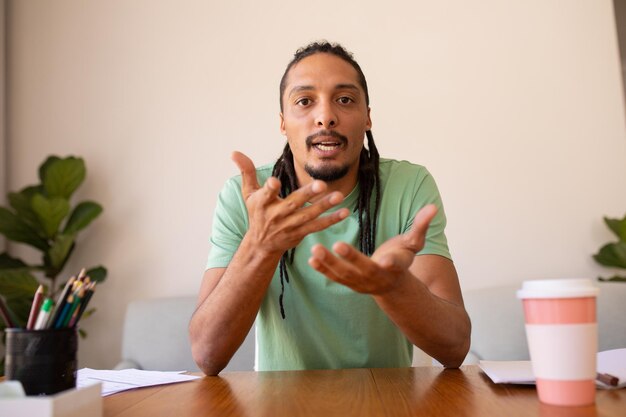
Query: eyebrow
[300,88]
[346,86]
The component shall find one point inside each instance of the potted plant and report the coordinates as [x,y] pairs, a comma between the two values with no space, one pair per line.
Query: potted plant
[42,217]
[613,254]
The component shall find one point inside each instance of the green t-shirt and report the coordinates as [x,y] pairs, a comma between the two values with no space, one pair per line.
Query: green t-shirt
[327,325]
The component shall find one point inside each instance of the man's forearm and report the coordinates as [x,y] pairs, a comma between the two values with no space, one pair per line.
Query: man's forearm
[439,327]
[223,319]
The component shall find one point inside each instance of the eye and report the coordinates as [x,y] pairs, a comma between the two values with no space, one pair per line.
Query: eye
[303,101]
[345,100]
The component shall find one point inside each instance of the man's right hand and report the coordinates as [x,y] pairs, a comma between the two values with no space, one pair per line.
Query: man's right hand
[278,224]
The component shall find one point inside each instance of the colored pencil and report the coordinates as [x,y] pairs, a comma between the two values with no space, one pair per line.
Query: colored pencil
[61,301]
[35,307]
[44,314]
[66,308]
[82,275]
[91,288]
[74,309]
[6,315]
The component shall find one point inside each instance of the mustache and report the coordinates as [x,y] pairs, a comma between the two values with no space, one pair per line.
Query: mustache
[309,139]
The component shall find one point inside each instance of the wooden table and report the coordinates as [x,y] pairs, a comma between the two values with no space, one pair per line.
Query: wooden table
[424,391]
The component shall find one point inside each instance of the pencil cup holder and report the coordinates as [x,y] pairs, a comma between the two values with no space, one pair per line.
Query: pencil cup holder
[44,361]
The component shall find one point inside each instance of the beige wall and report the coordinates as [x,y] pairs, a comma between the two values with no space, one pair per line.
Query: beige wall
[619,7]
[3,170]
[516,108]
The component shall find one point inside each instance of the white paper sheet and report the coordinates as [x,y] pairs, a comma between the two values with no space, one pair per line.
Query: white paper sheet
[126,379]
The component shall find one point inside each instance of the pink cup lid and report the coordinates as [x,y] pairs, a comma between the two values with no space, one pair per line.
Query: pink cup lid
[558,288]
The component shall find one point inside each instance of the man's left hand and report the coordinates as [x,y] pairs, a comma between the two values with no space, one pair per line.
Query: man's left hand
[383,271]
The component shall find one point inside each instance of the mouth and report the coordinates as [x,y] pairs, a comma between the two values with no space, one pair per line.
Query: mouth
[327,146]
[326,141]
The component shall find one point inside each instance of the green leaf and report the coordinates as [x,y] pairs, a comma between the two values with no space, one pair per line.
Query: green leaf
[44,166]
[612,254]
[98,273]
[88,313]
[59,250]
[9,262]
[61,177]
[83,214]
[50,212]
[18,288]
[21,204]
[614,278]
[617,226]
[16,229]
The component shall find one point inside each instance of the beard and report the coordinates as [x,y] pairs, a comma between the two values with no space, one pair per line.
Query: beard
[327,173]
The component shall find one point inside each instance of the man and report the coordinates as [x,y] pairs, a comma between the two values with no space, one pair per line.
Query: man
[323,254]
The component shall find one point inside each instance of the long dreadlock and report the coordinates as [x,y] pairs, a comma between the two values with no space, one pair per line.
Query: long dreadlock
[368,175]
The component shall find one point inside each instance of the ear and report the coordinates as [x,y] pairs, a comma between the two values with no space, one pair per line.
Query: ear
[282,124]
[369,120]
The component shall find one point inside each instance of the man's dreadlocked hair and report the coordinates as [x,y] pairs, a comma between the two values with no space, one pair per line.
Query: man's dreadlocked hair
[368,176]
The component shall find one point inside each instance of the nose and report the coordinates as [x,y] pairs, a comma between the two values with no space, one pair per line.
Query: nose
[326,116]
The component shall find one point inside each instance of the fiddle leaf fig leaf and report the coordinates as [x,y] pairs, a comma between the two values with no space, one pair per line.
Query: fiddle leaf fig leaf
[83,214]
[44,167]
[9,262]
[98,273]
[14,228]
[18,288]
[61,177]
[60,250]
[612,254]
[21,204]
[614,278]
[617,226]
[50,212]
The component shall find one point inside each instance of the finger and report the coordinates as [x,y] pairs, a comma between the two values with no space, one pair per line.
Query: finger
[249,182]
[271,188]
[305,194]
[416,237]
[343,271]
[325,262]
[301,216]
[348,262]
[349,253]
[321,223]
[396,261]
[356,258]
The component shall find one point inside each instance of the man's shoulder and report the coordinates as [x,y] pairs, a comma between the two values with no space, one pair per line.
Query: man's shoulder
[397,168]
[263,172]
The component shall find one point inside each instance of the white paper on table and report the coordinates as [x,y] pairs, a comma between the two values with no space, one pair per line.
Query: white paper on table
[613,362]
[520,372]
[126,379]
[508,372]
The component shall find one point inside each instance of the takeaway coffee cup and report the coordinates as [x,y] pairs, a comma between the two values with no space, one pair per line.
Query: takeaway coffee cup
[44,361]
[562,335]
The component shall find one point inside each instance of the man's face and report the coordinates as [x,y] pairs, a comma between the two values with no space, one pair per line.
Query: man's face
[325,118]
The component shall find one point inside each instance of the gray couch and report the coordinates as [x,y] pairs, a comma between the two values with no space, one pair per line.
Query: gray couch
[498,321]
[155,337]
[155,330]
